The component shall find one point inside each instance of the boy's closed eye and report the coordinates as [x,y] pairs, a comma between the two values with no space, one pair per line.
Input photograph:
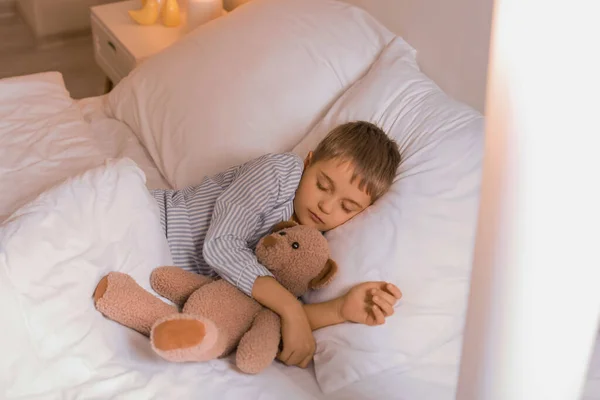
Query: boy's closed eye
[352,206]
[349,208]
[325,182]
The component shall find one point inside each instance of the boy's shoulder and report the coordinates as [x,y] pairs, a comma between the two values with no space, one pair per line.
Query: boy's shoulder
[281,170]
[285,162]
[283,157]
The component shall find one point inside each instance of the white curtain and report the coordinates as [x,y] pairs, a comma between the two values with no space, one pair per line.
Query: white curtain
[535,295]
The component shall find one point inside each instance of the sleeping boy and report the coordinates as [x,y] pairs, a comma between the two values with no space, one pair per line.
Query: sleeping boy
[213,228]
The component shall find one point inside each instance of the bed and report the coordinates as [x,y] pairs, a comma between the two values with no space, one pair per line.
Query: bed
[76,209]
[93,137]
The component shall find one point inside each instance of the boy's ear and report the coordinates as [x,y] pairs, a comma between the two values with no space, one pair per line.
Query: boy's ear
[326,276]
[283,225]
[308,159]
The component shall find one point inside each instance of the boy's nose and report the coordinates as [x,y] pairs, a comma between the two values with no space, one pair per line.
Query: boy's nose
[325,206]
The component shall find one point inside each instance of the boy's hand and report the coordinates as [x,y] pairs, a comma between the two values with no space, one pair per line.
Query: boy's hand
[369,303]
[298,341]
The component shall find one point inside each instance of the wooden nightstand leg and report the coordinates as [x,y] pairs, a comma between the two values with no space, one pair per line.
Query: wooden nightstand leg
[108,85]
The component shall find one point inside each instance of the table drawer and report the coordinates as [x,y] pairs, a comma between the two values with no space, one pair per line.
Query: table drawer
[110,54]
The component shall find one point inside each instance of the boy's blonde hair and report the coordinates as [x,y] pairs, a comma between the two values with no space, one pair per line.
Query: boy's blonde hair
[374,156]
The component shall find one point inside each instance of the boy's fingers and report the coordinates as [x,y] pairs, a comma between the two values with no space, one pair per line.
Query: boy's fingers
[393,290]
[294,359]
[298,357]
[370,320]
[284,356]
[385,296]
[379,318]
[305,362]
[386,287]
[384,306]
[280,357]
[374,285]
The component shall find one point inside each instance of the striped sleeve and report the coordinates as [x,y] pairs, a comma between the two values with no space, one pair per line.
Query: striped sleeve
[258,188]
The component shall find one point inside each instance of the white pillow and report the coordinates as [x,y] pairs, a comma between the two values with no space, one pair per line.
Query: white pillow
[251,82]
[53,252]
[420,235]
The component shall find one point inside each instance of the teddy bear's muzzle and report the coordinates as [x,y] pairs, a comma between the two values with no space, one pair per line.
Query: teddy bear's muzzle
[269,241]
[269,252]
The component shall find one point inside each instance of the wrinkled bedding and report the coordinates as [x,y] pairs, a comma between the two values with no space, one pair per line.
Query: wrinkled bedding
[45,137]
[53,252]
[75,206]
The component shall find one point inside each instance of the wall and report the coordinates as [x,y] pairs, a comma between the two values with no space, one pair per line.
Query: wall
[51,17]
[7,6]
[451,36]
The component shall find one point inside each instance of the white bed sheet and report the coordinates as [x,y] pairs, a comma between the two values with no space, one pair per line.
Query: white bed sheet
[46,137]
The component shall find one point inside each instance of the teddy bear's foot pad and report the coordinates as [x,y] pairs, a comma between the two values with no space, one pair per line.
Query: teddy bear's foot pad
[183,338]
[178,334]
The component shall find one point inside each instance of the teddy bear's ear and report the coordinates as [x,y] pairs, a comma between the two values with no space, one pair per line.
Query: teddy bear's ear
[325,276]
[283,225]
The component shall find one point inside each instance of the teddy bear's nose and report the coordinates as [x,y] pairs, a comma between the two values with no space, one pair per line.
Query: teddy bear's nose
[269,241]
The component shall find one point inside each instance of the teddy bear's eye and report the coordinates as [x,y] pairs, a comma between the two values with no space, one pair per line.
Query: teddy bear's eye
[282,233]
[296,245]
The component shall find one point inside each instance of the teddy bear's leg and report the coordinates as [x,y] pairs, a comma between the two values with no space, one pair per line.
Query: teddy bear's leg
[121,299]
[176,284]
[214,319]
[258,347]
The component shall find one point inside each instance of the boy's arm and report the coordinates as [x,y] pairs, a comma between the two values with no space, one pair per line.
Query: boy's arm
[367,303]
[324,314]
[298,342]
[260,186]
[271,294]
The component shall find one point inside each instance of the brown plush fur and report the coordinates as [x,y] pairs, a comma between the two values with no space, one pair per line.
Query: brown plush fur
[216,317]
[121,298]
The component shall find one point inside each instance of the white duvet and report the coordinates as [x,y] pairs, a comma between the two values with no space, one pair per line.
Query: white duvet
[53,252]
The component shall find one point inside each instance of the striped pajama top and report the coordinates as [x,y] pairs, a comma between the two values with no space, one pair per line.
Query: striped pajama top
[213,228]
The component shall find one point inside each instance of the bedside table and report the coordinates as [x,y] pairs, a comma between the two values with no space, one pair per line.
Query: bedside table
[120,44]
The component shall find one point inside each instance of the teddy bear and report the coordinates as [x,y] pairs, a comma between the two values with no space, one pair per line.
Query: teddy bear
[216,317]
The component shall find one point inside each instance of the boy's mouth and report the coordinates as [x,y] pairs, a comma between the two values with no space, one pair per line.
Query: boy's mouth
[315,217]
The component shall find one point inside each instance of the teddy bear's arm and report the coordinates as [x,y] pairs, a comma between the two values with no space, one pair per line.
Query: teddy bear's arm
[258,347]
